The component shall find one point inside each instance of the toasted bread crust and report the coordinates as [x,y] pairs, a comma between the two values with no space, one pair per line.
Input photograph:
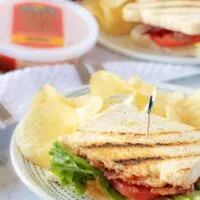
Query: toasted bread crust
[174,15]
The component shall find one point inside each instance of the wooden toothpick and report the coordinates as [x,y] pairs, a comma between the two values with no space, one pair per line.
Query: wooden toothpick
[149,109]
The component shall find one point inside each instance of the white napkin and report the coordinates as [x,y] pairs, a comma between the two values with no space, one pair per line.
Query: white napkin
[17,88]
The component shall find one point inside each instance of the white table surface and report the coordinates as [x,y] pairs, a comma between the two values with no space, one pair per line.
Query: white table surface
[11,187]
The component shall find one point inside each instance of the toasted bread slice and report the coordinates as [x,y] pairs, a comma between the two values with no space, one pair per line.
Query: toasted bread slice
[176,15]
[116,140]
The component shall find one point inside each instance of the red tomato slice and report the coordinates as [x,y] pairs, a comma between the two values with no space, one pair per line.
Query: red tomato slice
[133,191]
[165,38]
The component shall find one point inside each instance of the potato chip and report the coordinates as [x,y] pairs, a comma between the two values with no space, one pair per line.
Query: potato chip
[42,126]
[165,102]
[193,99]
[89,109]
[46,93]
[195,123]
[116,3]
[106,84]
[160,104]
[192,109]
[135,82]
[141,101]
[86,106]
[144,88]
[172,114]
[193,114]
[175,98]
[109,15]
[129,100]
[187,109]
[80,101]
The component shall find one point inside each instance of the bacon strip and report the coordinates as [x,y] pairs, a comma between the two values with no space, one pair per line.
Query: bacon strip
[167,190]
[170,190]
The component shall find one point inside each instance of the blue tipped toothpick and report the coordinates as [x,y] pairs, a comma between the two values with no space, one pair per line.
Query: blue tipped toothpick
[149,108]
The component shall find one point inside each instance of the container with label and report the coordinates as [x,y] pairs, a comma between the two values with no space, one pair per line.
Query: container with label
[44,31]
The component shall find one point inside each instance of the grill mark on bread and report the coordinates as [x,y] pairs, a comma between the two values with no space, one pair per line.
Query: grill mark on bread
[186,169]
[135,161]
[121,145]
[143,134]
[110,145]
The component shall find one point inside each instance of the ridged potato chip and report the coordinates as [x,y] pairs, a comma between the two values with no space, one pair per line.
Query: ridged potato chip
[144,88]
[89,109]
[186,109]
[47,93]
[116,3]
[130,100]
[79,101]
[165,102]
[175,98]
[141,100]
[196,123]
[193,99]
[109,15]
[135,82]
[172,114]
[106,84]
[174,108]
[42,126]
[86,106]
[192,104]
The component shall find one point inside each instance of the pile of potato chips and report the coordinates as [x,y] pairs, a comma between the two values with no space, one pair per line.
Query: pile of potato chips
[52,115]
[109,15]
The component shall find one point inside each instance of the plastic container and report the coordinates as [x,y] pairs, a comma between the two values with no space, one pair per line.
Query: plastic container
[45,31]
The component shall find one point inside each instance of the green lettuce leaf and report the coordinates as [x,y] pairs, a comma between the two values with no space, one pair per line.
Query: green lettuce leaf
[197,186]
[75,171]
[194,196]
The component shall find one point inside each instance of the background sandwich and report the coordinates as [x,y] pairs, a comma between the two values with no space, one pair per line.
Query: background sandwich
[172,26]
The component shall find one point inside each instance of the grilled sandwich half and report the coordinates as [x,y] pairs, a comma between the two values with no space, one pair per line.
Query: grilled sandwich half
[167,160]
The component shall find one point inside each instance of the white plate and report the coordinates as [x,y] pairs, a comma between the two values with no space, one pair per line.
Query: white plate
[35,177]
[125,46]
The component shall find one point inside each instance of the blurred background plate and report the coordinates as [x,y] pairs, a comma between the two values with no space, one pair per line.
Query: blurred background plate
[125,46]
